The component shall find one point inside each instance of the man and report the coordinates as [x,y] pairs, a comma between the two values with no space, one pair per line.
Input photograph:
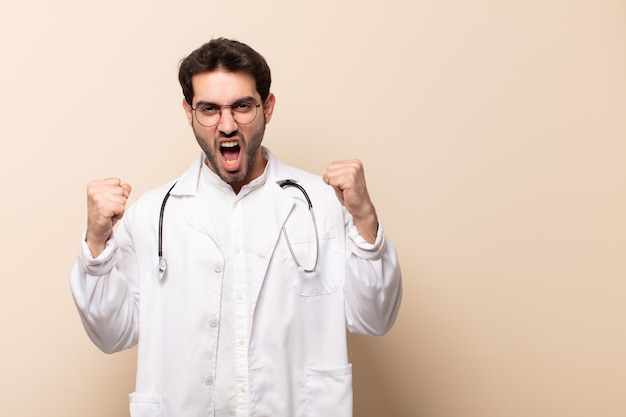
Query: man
[246,312]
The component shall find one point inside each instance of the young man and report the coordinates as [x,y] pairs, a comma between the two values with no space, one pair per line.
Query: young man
[263,265]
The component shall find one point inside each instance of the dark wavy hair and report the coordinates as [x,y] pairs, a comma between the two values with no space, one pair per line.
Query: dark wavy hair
[224,54]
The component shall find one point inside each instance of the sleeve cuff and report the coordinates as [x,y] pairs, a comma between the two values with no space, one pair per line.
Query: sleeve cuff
[362,248]
[101,264]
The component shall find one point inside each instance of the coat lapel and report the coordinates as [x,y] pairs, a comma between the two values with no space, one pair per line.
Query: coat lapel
[188,186]
[277,205]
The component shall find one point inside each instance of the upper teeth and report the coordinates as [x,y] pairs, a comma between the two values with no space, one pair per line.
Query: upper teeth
[231,144]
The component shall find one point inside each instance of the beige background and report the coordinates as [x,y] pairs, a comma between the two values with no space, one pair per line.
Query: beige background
[493,136]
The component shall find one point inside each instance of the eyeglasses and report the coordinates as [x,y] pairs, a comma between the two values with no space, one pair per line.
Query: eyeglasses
[209,114]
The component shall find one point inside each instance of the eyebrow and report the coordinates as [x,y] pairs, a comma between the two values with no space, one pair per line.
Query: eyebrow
[205,102]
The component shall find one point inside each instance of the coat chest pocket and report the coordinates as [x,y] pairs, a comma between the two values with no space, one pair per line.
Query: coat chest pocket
[327,276]
[145,405]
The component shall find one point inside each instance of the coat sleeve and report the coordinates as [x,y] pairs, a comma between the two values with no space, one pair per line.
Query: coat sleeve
[106,294]
[373,288]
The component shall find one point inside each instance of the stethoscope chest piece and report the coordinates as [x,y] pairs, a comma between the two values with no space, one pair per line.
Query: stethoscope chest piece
[162,267]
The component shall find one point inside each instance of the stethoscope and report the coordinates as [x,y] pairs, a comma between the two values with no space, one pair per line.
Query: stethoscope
[286,183]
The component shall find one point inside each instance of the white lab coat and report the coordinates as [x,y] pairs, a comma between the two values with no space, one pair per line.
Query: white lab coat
[298,364]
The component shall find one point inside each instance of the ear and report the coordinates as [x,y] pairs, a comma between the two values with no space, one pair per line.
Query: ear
[268,107]
[188,111]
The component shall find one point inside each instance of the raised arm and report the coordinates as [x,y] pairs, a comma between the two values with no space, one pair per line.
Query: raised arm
[373,288]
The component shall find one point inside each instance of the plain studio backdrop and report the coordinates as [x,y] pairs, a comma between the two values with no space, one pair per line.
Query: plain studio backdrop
[493,137]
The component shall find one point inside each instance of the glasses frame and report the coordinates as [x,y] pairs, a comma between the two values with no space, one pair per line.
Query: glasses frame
[232,112]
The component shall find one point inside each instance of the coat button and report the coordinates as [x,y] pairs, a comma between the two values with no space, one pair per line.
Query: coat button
[218,267]
[209,380]
[213,321]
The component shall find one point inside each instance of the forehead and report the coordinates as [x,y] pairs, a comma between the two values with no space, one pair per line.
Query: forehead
[223,87]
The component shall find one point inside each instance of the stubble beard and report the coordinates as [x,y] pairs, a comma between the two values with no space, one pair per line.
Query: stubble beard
[212,154]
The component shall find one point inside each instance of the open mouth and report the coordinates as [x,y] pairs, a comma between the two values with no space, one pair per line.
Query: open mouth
[230,151]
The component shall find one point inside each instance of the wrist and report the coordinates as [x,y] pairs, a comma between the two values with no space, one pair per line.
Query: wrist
[367,226]
[96,245]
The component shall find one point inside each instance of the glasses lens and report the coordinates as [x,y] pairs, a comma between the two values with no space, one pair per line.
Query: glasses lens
[207,115]
[243,112]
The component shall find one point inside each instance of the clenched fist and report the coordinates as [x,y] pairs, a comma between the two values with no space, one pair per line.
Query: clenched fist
[348,180]
[106,203]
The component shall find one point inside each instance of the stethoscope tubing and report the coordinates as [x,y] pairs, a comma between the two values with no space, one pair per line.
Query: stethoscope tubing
[162,268]
[162,260]
[289,183]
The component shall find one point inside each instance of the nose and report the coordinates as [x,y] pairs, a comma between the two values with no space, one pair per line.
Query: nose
[227,123]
